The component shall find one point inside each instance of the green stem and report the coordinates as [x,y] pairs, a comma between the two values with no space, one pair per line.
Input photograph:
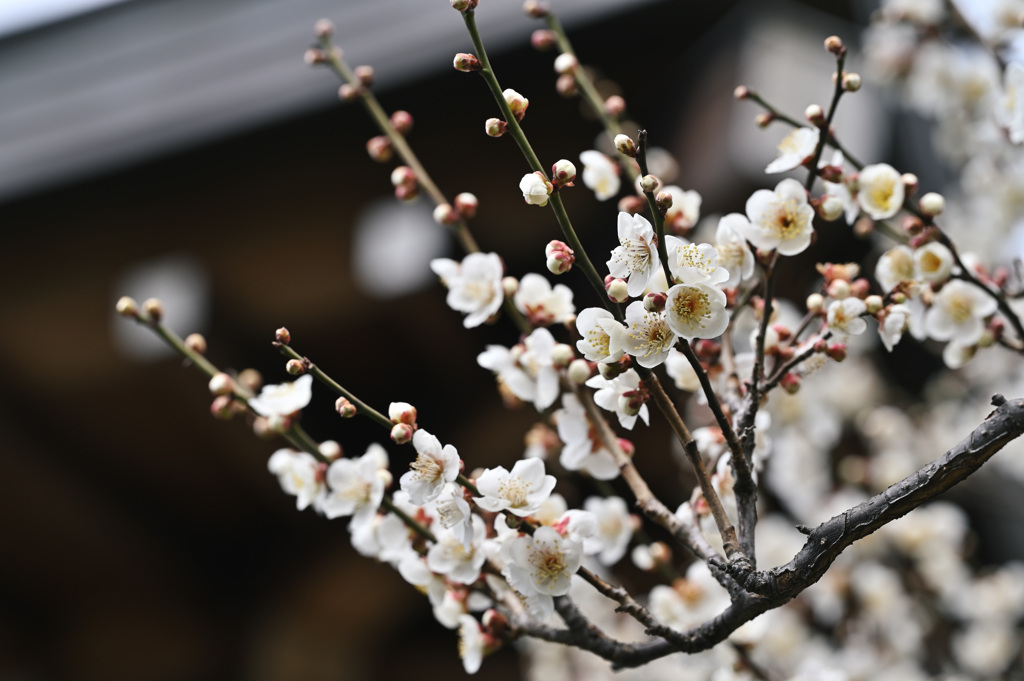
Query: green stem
[656,215]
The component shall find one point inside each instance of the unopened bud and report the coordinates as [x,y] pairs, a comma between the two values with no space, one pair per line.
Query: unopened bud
[790,383]
[278,423]
[863,227]
[345,408]
[536,9]
[655,302]
[932,204]
[566,85]
[910,183]
[127,307]
[815,303]
[379,148]
[222,407]
[495,623]
[563,173]
[763,119]
[543,39]
[196,343]
[314,56]
[562,355]
[221,384]
[283,336]
[402,412]
[741,92]
[579,371]
[664,201]
[323,29]
[836,351]
[617,290]
[838,289]
[348,92]
[661,553]
[403,176]
[632,204]
[250,379]
[517,104]
[614,106]
[495,127]
[464,5]
[330,450]
[649,183]
[874,304]
[834,45]
[295,367]
[153,309]
[830,208]
[559,262]
[509,286]
[625,145]
[401,433]
[466,204]
[466,62]
[815,115]
[851,82]
[402,122]
[630,403]
[566,63]
[364,74]
[444,214]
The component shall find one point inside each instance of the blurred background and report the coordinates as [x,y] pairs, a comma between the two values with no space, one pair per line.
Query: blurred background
[181,149]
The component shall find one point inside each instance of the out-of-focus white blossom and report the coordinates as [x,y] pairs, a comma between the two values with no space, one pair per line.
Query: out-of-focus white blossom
[794,149]
[880,192]
[600,174]
[283,399]
[542,304]
[957,313]
[474,285]
[297,474]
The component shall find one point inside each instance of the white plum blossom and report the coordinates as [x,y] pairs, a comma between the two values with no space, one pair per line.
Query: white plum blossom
[298,473]
[434,466]
[471,644]
[844,316]
[636,257]
[957,313]
[536,190]
[530,372]
[357,487]
[519,492]
[679,369]
[283,399]
[696,311]
[880,193]
[933,263]
[891,327]
[733,252]
[693,263]
[1010,110]
[794,149]
[456,560]
[691,601]
[541,303]
[602,335]
[614,529]
[895,265]
[582,450]
[543,563]
[453,512]
[612,394]
[474,285]
[685,209]
[600,174]
[648,336]
[780,220]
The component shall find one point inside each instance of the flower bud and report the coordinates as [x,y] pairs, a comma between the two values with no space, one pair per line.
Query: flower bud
[536,9]
[495,127]
[153,310]
[815,303]
[379,148]
[632,204]
[741,92]
[402,412]
[444,214]
[403,176]
[543,39]
[838,289]
[830,208]
[222,407]
[851,82]
[221,384]
[562,354]
[345,409]
[323,29]
[127,307]
[618,291]
[314,56]
[464,5]
[509,286]
[625,145]
[566,85]
[874,304]
[836,351]
[295,367]
[559,262]
[536,189]
[330,450]
[466,62]
[402,122]
[910,183]
[790,383]
[649,183]
[250,379]
[563,173]
[655,302]
[278,423]
[196,343]
[763,119]
[566,63]
[261,428]
[932,204]
[863,227]
[517,104]
[283,336]
[614,106]
[815,115]
[495,623]
[579,371]
[364,74]
[834,45]
[349,92]
[630,402]
[663,201]
[466,204]
[401,433]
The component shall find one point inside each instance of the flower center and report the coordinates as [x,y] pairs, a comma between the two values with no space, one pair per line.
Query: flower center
[549,564]
[881,194]
[960,307]
[599,341]
[636,253]
[930,263]
[654,336]
[691,306]
[514,491]
[788,222]
[690,256]
[427,468]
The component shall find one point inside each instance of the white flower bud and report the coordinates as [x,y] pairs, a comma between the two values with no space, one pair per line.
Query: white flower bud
[466,204]
[563,172]
[330,450]
[536,189]
[516,102]
[649,183]
[566,63]
[874,304]
[932,204]
[445,215]
[221,384]
[509,285]
[579,371]
[618,290]
[851,82]
[815,303]
[127,307]
[401,433]
[562,354]
[831,208]
[402,412]
[625,145]
[839,289]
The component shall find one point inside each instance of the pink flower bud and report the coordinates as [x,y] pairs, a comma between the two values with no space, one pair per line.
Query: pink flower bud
[632,204]
[614,106]
[364,74]
[402,122]
[466,204]
[655,302]
[379,148]
[152,310]
[560,262]
[314,56]
[466,62]
[348,92]
[543,40]
[741,92]
[323,29]
[495,127]
[401,433]
[834,45]
[464,5]
[196,343]
[295,367]
[836,351]
[127,307]
[444,214]
[403,176]
[790,383]
[402,412]
[536,9]
[222,407]
[663,201]
[617,290]
[283,336]
[345,408]
[221,384]
[566,85]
